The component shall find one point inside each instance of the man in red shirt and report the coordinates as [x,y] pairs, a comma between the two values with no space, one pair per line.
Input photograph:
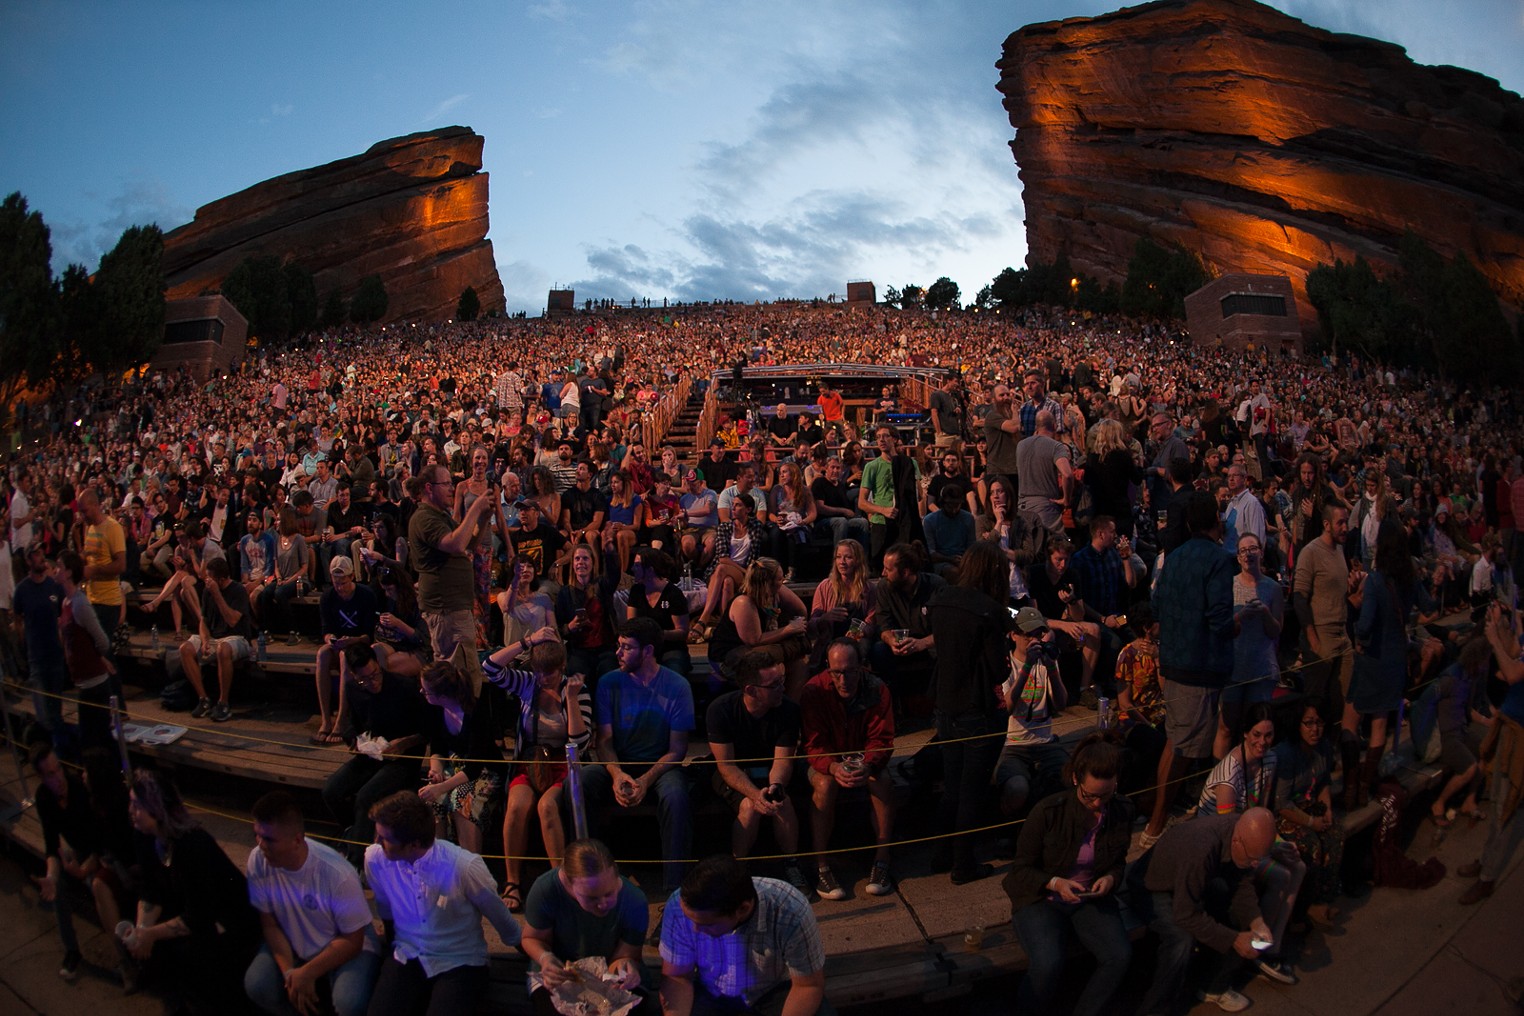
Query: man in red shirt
[832,408]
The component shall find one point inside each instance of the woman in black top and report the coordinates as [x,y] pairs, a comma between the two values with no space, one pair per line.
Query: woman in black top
[585,616]
[464,781]
[656,596]
[1063,882]
[1111,473]
[970,628]
[194,920]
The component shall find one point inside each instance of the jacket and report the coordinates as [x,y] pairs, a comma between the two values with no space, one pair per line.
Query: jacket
[864,724]
[1050,841]
[972,650]
[1193,603]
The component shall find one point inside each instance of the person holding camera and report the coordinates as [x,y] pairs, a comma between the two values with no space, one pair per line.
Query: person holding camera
[1032,756]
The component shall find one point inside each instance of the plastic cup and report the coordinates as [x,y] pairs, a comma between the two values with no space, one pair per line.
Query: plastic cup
[852,764]
[973,938]
[856,627]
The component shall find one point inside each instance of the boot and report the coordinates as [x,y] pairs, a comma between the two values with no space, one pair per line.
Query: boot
[1370,771]
[1349,754]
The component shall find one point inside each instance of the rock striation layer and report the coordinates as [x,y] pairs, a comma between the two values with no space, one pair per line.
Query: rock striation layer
[412,210]
[1263,143]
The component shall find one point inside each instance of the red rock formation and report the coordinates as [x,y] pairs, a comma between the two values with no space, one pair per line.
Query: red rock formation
[412,210]
[1264,144]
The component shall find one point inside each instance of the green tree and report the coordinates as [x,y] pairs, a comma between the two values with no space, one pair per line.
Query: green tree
[28,303]
[301,294]
[943,294]
[910,295]
[369,302]
[334,311]
[130,287]
[469,306]
[892,297]
[1159,279]
[1475,342]
[83,331]
[258,287]
[985,298]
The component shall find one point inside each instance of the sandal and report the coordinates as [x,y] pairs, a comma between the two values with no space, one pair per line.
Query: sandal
[698,634]
[1440,821]
[1475,816]
[512,899]
[325,737]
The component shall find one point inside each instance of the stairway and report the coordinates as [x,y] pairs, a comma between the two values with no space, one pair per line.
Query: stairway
[684,433]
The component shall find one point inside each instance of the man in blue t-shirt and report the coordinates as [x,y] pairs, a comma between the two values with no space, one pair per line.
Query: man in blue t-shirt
[645,715]
[38,601]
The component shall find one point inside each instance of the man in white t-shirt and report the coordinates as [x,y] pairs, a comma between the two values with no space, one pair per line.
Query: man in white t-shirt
[1031,760]
[314,916]
[22,515]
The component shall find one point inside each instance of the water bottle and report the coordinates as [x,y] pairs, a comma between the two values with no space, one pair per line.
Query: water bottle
[1103,713]
[153,633]
[264,647]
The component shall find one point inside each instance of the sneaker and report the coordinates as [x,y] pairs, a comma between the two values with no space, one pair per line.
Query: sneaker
[880,882]
[70,968]
[221,713]
[1227,1001]
[1146,839]
[202,708]
[1276,970]
[796,878]
[1469,870]
[826,886]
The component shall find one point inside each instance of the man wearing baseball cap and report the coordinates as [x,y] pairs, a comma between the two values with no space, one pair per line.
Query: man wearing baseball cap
[1031,760]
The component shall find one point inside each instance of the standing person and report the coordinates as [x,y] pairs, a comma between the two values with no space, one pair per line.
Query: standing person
[440,550]
[1258,607]
[889,496]
[105,552]
[970,628]
[731,943]
[1193,603]
[194,921]
[947,412]
[645,716]
[437,957]
[38,603]
[1046,473]
[314,917]
[1002,431]
[848,711]
[585,908]
[1503,753]
[1063,881]
[86,651]
[349,614]
[1320,595]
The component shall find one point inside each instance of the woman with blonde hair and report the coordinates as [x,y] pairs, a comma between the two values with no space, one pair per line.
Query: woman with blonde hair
[844,600]
[1111,472]
[791,505]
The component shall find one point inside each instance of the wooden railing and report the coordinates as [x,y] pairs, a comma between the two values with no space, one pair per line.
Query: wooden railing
[658,419]
[707,417]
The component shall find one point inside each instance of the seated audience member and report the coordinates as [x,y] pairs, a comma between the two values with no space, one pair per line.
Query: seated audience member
[538,542]
[349,615]
[282,585]
[256,554]
[738,541]
[836,507]
[645,714]
[1171,889]
[226,634]
[731,943]
[765,615]
[1032,759]
[845,603]
[581,909]
[1245,777]
[701,513]
[385,708]
[465,778]
[905,652]
[401,640]
[194,927]
[848,725]
[315,919]
[1064,879]
[1460,701]
[657,596]
[555,709]
[1140,703]
[949,531]
[74,852]
[1304,809]
[436,958]
[757,722]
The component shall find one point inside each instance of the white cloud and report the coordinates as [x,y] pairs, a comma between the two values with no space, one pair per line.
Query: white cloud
[432,117]
[551,10]
[282,109]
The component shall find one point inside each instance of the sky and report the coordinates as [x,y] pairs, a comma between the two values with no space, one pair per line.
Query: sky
[649,148]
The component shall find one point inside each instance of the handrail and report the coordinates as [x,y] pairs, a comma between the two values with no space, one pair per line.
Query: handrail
[658,419]
[707,417]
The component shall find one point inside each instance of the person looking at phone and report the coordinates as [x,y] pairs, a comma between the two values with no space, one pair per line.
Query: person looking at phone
[1169,887]
[1068,865]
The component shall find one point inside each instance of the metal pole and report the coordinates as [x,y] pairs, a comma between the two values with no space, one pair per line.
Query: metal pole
[10,738]
[574,790]
[121,736]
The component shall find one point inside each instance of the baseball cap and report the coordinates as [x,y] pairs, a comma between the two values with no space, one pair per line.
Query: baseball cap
[341,566]
[1030,620]
[691,474]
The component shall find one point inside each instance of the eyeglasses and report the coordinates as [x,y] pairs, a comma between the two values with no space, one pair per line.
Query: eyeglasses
[1314,722]
[1089,798]
[772,686]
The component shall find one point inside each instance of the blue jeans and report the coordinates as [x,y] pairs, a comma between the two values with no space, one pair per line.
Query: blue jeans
[1046,929]
[351,984]
[1173,960]
[674,812]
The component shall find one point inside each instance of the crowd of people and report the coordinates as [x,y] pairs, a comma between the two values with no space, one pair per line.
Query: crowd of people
[1095,512]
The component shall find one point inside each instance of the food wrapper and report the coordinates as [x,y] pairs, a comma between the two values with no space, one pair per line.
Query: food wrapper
[375,747]
[590,994]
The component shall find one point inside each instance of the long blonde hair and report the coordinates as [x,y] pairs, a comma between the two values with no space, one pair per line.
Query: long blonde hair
[1107,436]
[761,577]
[850,592]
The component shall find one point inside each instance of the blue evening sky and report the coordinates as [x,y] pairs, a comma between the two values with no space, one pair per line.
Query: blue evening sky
[661,148]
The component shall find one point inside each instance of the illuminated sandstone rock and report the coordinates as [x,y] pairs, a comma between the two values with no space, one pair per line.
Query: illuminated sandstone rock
[412,210]
[1262,143]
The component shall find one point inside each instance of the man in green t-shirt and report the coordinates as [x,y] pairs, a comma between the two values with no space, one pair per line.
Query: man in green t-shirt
[888,496]
[439,549]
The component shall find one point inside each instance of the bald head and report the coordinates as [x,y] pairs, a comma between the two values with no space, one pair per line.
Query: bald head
[1045,421]
[1256,832]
